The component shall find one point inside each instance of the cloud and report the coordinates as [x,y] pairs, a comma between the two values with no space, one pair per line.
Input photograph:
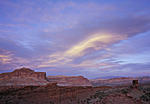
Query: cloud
[96,42]
[9,60]
[99,41]
[5,57]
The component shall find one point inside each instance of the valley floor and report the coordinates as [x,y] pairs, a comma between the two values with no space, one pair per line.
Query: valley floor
[74,95]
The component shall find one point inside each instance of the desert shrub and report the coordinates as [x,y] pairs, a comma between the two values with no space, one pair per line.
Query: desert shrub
[147,89]
[145,97]
[51,102]
[140,88]
[124,91]
[100,95]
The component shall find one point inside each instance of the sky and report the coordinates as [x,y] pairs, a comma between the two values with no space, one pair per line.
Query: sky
[92,38]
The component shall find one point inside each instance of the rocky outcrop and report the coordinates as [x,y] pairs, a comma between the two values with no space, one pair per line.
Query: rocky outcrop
[23,73]
[69,80]
[23,77]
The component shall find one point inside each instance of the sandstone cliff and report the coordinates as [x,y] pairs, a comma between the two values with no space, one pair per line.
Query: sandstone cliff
[70,80]
[23,77]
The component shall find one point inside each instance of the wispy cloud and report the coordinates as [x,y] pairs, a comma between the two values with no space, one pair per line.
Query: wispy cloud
[5,59]
[94,42]
[5,56]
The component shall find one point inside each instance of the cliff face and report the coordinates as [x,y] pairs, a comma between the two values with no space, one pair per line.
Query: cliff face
[69,80]
[23,76]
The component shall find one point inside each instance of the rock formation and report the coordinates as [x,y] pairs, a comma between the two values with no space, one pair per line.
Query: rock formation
[26,77]
[23,77]
[69,80]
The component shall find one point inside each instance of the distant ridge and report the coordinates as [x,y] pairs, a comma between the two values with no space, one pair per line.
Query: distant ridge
[108,77]
[121,81]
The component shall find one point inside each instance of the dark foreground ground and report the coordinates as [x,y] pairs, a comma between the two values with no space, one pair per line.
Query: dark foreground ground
[75,95]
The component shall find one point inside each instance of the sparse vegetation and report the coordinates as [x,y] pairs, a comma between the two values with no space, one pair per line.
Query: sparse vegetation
[74,95]
[124,91]
[146,96]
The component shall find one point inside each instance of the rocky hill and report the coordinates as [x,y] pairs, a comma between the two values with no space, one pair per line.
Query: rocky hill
[23,77]
[69,80]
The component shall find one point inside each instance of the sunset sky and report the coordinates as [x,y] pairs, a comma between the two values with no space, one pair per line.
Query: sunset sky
[92,38]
